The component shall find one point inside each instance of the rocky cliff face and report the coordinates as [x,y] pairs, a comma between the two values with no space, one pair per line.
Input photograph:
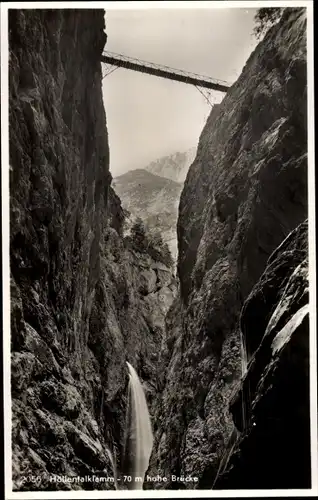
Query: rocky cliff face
[82,301]
[244,193]
[273,397]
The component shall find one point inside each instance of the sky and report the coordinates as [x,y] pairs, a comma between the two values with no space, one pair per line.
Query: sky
[150,117]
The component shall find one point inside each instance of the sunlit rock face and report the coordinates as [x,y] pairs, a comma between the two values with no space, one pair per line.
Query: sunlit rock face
[244,193]
[174,166]
[79,309]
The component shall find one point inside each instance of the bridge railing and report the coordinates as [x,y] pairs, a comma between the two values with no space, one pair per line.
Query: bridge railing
[163,71]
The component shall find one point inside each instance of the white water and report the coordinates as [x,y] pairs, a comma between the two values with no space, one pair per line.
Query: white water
[112,461]
[243,356]
[244,370]
[139,437]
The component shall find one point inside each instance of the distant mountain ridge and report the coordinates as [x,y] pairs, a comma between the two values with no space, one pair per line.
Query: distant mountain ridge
[153,193]
[175,166]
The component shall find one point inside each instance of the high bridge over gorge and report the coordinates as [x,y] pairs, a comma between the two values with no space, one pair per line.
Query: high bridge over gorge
[199,81]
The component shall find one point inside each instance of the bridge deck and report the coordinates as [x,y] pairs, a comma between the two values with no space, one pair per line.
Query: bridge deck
[163,71]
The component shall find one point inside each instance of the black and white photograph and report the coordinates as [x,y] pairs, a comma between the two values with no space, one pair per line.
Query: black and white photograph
[158,250]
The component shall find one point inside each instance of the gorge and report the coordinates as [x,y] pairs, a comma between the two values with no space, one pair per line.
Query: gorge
[89,305]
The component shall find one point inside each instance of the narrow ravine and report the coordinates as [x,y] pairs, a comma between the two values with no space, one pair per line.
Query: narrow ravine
[122,365]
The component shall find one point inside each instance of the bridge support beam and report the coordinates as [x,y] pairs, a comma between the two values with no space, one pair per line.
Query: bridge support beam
[163,73]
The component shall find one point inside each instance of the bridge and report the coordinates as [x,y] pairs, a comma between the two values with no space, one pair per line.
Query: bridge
[121,61]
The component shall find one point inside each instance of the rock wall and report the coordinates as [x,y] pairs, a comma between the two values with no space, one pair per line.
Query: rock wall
[82,301]
[271,409]
[244,193]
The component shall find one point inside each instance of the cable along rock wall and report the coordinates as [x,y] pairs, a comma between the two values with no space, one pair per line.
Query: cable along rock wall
[244,193]
[83,302]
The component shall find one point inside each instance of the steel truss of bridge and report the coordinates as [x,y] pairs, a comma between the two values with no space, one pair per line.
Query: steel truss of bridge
[121,61]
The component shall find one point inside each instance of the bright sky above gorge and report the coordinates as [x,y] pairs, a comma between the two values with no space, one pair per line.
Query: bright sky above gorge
[149,117]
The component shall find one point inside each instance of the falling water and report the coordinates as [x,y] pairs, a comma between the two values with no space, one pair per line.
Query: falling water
[139,437]
[243,355]
[112,461]
[244,361]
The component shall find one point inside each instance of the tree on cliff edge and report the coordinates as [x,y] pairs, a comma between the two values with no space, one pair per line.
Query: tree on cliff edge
[144,241]
[265,18]
[138,234]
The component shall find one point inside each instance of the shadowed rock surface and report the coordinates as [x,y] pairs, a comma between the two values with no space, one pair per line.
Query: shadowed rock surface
[244,193]
[82,301]
[273,398]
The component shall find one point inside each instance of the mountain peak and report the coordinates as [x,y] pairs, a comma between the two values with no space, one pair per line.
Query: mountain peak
[174,166]
[153,193]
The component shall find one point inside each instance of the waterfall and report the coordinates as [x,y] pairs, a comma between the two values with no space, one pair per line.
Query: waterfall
[112,461]
[139,437]
[243,356]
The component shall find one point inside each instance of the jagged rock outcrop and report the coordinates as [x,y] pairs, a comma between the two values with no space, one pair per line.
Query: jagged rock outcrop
[82,301]
[244,193]
[273,398]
